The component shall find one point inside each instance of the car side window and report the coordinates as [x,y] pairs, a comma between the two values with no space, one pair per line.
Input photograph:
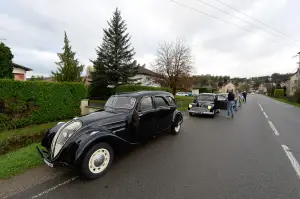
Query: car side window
[171,101]
[160,102]
[146,104]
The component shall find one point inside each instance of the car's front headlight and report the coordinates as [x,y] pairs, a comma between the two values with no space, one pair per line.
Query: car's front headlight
[190,106]
[209,107]
[63,134]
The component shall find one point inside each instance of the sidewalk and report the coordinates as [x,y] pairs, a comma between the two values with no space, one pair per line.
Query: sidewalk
[30,178]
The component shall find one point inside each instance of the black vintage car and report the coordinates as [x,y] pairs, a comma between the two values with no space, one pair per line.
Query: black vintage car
[88,143]
[207,104]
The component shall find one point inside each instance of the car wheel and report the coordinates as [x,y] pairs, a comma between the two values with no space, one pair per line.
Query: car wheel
[191,114]
[97,161]
[177,126]
[214,114]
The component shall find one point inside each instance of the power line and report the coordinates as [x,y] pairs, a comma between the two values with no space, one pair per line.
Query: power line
[259,21]
[242,20]
[214,17]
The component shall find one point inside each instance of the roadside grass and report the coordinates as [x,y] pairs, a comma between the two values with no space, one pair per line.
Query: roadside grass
[286,101]
[19,161]
[11,140]
[183,102]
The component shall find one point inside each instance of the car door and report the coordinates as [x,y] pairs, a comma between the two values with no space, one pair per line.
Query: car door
[221,102]
[164,113]
[147,118]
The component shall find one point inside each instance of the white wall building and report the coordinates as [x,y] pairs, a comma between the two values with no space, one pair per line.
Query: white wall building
[293,83]
[20,72]
[145,77]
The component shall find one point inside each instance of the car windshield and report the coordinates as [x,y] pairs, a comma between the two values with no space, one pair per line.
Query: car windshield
[206,98]
[120,102]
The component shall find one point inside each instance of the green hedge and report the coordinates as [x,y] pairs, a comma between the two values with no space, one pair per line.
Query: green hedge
[205,90]
[132,88]
[278,93]
[14,139]
[297,95]
[34,102]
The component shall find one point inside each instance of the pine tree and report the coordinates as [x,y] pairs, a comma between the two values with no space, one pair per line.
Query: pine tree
[69,68]
[114,62]
[6,64]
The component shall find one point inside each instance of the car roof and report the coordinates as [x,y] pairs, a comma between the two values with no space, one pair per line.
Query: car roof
[144,93]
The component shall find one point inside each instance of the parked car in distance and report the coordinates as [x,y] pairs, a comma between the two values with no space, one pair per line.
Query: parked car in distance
[182,94]
[88,143]
[207,104]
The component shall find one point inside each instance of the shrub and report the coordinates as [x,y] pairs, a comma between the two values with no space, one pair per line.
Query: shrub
[132,88]
[34,102]
[205,90]
[297,95]
[278,93]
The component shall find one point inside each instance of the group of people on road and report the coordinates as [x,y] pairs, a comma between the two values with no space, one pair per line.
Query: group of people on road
[235,101]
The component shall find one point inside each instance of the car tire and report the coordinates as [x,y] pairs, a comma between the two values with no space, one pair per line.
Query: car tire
[214,114]
[97,161]
[191,114]
[175,129]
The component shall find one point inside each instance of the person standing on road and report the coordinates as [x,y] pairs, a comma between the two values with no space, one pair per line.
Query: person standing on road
[231,101]
[245,96]
[236,100]
[241,99]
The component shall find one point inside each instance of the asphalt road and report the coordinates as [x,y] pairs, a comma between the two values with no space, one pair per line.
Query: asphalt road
[211,158]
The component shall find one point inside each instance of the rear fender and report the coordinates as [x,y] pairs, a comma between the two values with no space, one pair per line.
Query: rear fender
[85,145]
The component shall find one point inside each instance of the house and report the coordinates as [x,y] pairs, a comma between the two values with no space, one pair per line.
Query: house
[20,72]
[146,77]
[262,89]
[293,83]
[227,87]
[196,89]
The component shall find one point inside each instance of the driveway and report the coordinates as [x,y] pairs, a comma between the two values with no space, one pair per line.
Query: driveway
[252,156]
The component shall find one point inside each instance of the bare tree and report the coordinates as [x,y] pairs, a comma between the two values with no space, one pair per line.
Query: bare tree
[173,63]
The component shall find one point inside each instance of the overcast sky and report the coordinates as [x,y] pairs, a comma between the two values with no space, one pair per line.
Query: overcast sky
[34,31]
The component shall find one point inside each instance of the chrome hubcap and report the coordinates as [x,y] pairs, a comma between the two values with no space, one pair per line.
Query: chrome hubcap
[99,160]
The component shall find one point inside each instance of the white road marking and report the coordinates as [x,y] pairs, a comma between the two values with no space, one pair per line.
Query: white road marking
[55,187]
[273,128]
[266,116]
[293,160]
[261,108]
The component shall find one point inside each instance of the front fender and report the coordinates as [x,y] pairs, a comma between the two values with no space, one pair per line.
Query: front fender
[87,141]
[49,135]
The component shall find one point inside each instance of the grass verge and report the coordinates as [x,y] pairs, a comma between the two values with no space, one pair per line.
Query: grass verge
[183,102]
[19,161]
[286,101]
[14,139]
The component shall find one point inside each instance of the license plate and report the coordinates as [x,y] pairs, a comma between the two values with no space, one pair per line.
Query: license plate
[48,163]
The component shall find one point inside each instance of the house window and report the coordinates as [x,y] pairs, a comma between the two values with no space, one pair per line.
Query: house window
[295,81]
